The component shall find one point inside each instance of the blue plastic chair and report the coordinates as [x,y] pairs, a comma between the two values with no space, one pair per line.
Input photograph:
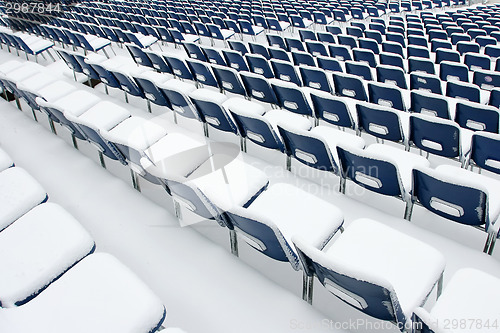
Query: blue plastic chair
[158,62]
[211,110]
[477,117]
[139,56]
[293,44]
[391,74]
[258,87]
[380,122]
[151,92]
[340,52]
[386,95]
[276,41]
[486,80]
[238,46]
[213,56]
[178,66]
[366,56]
[256,48]
[369,44]
[429,103]
[228,80]
[235,60]
[194,51]
[447,55]
[331,109]
[285,71]
[349,86]
[303,59]
[477,61]
[485,152]
[329,64]
[202,73]
[290,97]
[463,90]
[452,71]
[315,78]
[359,69]
[391,59]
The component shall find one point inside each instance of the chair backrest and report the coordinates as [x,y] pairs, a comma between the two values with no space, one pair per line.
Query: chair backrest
[347,40]
[486,80]
[308,148]
[194,51]
[139,56]
[315,78]
[306,34]
[425,82]
[352,287]
[238,46]
[159,63]
[106,76]
[485,151]
[256,48]
[276,41]
[259,65]
[453,71]
[258,87]
[447,55]
[316,48]
[391,59]
[391,47]
[477,61]
[293,44]
[435,135]
[177,93]
[369,44]
[179,68]
[477,117]
[213,56]
[228,79]
[211,110]
[329,64]
[285,71]
[291,98]
[340,52]
[331,109]
[303,59]
[235,60]
[386,95]
[391,75]
[349,86]
[151,91]
[450,197]
[464,47]
[202,73]
[463,90]
[429,103]
[379,121]
[366,56]
[370,171]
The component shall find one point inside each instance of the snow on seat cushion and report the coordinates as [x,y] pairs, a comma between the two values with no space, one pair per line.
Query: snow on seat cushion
[36,82]
[76,102]
[10,66]
[469,294]
[334,137]
[36,249]
[487,184]
[5,160]
[381,255]
[228,185]
[21,73]
[287,118]
[98,295]
[208,95]
[403,160]
[19,192]
[56,90]
[135,132]
[103,116]
[240,105]
[297,212]
[175,154]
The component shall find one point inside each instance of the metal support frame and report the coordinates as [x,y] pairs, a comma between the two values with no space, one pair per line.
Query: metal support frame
[101,159]
[233,240]
[307,287]
[135,180]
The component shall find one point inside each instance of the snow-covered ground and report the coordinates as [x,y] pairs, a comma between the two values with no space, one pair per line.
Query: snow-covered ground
[203,286]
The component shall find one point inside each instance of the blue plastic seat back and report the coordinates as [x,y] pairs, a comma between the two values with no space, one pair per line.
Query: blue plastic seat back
[106,76]
[202,30]
[437,138]
[339,52]
[202,73]
[257,130]
[391,74]
[374,174]
[354,31]
[484,41]
[464,47]
[379,122]
[316,48]
[463,91]
[294,44]
[365,56]
[181,103]
[374,300]
[484,151]
[309,150]
[165,35]
[477,61]
[238,46]
[108,148]
[427,82]
[276,41]
[264,238]
[459,37]
[228,80]
[349,86]
[128,85]
[246,27]
[214,115]
[285,72]
[369,44]
[347,41]
[495,98]
[70,60]
[259,65]
[359,69]
[391,47]
[235,60]
[303,58]
[467,205]
[159,63]
[332,110]
[447,55]
[386,96]
[292,99]
[329,64]
[420,65]
[259,49]
[374,34]
[152,93]
[486,80]
[334,30]
[258,88]
[325,37]
[429,104]
[194,51]
[450,70]
[306,34]
[477,117]
[179,68]
[316,78]
[417,40]
[213,56]
[391,60]
[139,56]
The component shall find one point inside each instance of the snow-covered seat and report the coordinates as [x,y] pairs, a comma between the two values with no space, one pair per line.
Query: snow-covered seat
[278,214]
[19,192]
[132,137]
[380,168]
[5,160]
[376,269]
[99,293]
[459,195]
[56,242]
[11,77]
[470,293]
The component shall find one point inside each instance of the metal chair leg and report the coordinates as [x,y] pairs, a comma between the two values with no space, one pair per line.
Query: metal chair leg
[233,240]
[101,160]
[135,180]
[307,288]
[75,143]
[408,210]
